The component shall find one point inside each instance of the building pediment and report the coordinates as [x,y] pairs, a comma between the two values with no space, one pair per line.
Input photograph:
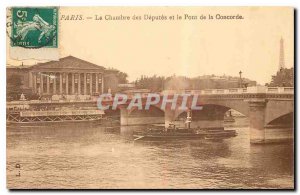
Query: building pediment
[68,63]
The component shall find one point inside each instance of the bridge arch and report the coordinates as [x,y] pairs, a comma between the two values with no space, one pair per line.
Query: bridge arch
[277,109]
[239,105]
[208,111]
[223,106]
[153,109]
[283,119]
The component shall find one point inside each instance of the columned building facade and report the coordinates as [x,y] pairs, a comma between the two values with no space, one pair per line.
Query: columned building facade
[68,76]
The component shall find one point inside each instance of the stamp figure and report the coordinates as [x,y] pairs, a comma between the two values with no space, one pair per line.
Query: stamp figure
[34,28]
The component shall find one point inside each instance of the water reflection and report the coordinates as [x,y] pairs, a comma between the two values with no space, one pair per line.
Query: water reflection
[105,157]
[273,156]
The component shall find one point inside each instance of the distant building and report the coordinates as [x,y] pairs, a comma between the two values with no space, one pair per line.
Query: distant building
[208,82]
[126,86]
[67,76]
[19,71]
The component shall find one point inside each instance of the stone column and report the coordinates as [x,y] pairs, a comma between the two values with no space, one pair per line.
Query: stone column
[41,83]
[97,81]
[67,84]
[30,80]
[48,84]
[91,83]
[60,83]
[34,83]
[84,83]
[79,84]
[54,84]
[73,84]
[257,120]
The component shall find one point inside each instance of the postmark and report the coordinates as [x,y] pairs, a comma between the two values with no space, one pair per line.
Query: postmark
[34,27]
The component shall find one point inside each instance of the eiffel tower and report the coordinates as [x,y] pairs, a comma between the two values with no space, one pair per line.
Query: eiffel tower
[281,55]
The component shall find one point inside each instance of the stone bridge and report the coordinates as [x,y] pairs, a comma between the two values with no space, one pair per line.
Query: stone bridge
[269,109]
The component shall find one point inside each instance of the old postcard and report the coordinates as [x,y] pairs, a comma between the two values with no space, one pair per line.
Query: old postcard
[150,97]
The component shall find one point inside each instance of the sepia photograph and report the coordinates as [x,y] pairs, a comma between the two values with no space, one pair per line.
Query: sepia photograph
[150,97]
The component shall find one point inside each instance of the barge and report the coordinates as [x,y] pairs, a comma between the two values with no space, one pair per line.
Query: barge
[174,133]
[44,117]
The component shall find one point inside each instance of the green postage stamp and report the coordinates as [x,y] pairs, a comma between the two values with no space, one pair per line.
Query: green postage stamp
[34,27]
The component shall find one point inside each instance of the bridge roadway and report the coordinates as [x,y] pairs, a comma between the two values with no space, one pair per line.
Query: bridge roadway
[264,106]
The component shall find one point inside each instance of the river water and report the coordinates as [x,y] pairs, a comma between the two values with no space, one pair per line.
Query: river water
[90,156]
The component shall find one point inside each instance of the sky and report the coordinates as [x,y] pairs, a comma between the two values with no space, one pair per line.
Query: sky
[181,47]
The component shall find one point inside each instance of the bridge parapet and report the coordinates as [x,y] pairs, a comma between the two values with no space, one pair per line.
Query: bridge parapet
[248,90]
[289,90]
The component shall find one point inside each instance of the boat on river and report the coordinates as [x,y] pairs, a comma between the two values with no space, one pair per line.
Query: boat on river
[174,133]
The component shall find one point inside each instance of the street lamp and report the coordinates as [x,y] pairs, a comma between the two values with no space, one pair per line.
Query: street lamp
[240,78]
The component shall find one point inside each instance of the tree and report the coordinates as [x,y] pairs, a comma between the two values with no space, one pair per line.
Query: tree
[14,86]
[283,78]
[122,77]
[157,83]
[153,83]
